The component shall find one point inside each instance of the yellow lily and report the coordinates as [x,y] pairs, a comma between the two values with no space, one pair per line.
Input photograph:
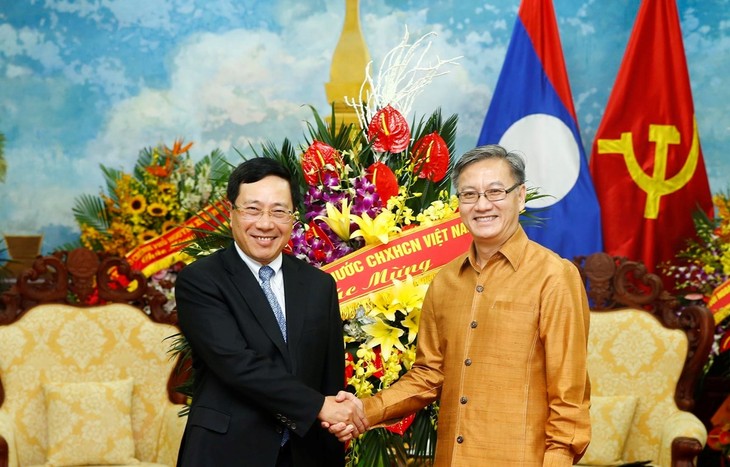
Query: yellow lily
[383,304]
[376,231]
[410,322]
[407,294]
[384,335]
[338,221]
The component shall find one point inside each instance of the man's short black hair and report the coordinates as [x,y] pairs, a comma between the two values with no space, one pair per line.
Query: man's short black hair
[255,169]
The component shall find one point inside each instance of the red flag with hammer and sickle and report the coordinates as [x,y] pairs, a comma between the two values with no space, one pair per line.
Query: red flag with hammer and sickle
[646,162]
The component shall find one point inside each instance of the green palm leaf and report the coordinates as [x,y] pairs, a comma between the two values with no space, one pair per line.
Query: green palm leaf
[90,210]
[215,236]
[111,176]
[180,348]
[220,168]
[533,216]
[144,159]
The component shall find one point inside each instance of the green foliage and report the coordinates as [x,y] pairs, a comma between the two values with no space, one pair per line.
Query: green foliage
[381,448]
[180,350]
[164,189]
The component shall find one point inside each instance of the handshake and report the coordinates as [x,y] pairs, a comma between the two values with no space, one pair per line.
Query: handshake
[343,416]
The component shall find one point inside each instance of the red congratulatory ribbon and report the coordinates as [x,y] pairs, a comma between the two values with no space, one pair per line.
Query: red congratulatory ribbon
[418,252]
[155,254]
[719,303]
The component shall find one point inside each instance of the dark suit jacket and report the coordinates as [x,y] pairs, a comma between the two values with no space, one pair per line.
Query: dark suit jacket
[248,383]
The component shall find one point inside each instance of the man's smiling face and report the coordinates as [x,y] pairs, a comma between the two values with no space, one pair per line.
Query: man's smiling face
[491,223]
[263,239]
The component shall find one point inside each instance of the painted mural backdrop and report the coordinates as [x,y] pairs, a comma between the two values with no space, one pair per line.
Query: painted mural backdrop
[84,83]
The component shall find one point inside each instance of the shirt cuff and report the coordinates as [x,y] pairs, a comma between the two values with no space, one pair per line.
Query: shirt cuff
[557,458]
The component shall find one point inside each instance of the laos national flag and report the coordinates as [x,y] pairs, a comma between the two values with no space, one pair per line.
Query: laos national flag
[532,113]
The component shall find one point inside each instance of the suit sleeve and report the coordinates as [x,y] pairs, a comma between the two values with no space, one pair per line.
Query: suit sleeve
[208,323]
[334,375]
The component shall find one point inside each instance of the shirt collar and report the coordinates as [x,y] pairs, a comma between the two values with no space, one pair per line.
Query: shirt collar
[254,265]
[513,250]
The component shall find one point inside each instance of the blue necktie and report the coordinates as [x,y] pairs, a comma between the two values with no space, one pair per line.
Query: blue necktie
[265,274]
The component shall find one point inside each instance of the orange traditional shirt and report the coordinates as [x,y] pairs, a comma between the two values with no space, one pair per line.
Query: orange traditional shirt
[504,349]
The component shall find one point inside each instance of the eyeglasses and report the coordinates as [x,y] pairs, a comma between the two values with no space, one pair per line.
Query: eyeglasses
[252,213]
[495,194]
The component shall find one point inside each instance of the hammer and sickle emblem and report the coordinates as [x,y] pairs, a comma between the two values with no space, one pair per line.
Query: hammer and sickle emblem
[657,185]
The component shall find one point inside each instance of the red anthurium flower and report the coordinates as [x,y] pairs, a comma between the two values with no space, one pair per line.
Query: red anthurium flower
[430,157]
[320,159]
[389,131]
[386,185]
[315,231]
[378,362]
[713,438]
[724,437]
[401,426]
[349,366]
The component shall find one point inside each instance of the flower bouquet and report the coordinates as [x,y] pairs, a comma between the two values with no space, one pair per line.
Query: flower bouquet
[702,267]
[165,189]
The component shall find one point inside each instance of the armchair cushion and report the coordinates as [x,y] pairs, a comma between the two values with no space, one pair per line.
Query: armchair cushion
[89,423]
[610,423]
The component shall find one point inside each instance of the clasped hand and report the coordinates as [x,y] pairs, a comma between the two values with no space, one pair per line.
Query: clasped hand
[343,416]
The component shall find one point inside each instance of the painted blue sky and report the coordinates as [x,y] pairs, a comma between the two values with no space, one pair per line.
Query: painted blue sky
[92,82]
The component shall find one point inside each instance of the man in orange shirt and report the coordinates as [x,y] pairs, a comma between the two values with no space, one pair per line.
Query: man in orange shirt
[503,337]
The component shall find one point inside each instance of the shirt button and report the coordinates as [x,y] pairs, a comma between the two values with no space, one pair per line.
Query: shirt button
[463,400]
[473,324]
[467,362]
[480,289]
[459,439]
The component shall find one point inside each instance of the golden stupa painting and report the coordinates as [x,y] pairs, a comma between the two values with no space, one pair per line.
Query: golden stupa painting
[347,71]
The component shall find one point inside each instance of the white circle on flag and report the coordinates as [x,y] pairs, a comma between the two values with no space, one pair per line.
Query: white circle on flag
[551,155]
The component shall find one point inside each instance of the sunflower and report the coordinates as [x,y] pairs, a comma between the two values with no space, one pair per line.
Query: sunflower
[168,226]
[167,189]
[146,236]
[137,204]
[157,210]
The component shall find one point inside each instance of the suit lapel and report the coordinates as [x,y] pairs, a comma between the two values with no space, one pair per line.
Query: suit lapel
[255,300]
[296,303]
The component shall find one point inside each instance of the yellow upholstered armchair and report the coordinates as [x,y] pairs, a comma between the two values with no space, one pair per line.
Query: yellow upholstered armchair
[645,354]
[84,384]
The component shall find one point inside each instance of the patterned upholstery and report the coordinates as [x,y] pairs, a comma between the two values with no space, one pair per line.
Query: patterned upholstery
[55,343]
[632,354]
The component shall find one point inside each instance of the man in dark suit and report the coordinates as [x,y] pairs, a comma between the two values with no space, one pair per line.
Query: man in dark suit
[267,351]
